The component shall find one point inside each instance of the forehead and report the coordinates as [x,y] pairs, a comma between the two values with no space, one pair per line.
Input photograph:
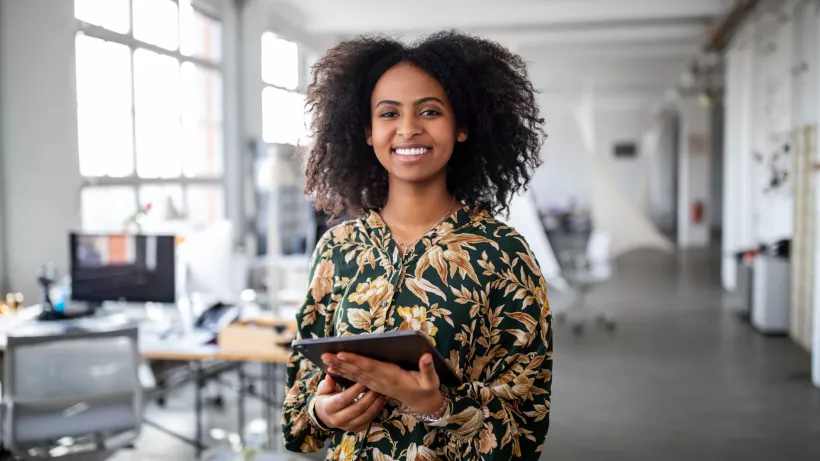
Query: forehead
[405,82]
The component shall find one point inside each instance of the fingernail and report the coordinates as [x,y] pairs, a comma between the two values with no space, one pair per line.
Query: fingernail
[331,370]
[428,360]
[341,357]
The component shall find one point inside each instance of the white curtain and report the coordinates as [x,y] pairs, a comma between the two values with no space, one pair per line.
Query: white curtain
[612,211]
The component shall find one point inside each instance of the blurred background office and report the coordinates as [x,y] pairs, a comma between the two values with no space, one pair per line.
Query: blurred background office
[154,237]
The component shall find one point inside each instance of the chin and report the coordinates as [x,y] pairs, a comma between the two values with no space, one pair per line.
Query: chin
[416,177]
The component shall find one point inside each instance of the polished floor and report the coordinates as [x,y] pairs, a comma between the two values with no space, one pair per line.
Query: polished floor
[682,377]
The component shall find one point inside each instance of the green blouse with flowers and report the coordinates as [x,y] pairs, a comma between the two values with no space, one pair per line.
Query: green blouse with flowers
[473,286]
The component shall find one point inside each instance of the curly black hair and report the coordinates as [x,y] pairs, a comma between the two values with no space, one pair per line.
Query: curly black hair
[488,88]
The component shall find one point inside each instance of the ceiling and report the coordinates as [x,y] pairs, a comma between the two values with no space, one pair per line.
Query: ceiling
[623,45]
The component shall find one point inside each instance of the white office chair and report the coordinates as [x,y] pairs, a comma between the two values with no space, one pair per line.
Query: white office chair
[585,272]
[72,395]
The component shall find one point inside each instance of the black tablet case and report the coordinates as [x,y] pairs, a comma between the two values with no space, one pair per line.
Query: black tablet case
[403,348]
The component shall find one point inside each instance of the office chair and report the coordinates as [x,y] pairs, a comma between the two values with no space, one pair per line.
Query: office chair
[583,273]
[74,395]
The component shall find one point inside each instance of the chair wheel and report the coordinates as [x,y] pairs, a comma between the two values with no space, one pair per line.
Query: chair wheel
[610,326]
[161,402]
[577,329]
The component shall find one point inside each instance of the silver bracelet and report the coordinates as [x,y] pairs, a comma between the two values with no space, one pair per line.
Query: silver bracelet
[436,417]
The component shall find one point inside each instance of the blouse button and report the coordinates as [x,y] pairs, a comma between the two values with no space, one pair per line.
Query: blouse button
[384,304]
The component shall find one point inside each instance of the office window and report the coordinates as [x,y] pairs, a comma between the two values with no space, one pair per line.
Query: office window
[104,104]
[280,62]
[157,22]
[283,107]
[150,110]
[109,14]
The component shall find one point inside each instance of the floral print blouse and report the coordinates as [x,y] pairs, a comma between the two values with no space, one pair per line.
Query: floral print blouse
[473,286]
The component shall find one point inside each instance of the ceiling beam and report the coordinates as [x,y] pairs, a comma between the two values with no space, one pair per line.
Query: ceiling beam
[359,16]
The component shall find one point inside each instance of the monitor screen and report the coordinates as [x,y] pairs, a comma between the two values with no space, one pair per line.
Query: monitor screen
[113,267]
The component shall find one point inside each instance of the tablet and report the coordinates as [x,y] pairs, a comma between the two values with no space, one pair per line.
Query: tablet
[403,348]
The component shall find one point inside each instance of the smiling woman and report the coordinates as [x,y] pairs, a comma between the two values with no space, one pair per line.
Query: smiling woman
[423,143]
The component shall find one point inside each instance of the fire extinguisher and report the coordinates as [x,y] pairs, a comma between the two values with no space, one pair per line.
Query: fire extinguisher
[697,212]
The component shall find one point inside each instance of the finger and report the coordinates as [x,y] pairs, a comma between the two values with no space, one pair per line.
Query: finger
[344,398]
[373,374]
[428,371]
[371,412]
[326,386]
[357,409]
[352,373]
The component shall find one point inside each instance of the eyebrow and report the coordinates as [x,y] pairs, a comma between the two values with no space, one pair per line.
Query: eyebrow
[420,101]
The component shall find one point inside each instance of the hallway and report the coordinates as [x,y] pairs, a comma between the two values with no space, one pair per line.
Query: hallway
[682,377]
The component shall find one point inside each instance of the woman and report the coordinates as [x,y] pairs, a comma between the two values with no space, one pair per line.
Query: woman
[425,142]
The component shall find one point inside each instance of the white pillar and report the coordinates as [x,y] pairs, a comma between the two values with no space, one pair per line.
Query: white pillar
[39,137]
[693,173]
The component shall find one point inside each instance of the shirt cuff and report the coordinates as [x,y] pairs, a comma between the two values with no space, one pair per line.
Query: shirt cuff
[312,415]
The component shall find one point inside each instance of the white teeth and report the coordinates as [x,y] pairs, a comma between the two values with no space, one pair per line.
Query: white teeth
[415,151]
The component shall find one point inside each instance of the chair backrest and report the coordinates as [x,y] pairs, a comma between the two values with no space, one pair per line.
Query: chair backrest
[599,254]
[599,247]
[76,393]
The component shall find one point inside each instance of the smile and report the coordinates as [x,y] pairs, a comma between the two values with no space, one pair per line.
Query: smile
[411,152]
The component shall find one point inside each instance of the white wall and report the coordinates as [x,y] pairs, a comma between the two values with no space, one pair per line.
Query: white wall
[39,144]
[2,180]
[566,172]
[693,172]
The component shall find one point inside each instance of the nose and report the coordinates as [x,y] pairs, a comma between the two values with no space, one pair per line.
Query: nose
[409,127]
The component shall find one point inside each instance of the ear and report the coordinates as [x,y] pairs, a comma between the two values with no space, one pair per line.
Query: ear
[461,135]
[368,132]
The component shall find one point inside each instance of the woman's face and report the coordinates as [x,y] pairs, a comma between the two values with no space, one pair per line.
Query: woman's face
[412,128]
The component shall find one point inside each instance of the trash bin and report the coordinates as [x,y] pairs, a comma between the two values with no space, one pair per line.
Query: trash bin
[771,289]
[745,280]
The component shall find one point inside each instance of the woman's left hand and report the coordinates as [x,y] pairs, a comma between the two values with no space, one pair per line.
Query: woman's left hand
[418,390]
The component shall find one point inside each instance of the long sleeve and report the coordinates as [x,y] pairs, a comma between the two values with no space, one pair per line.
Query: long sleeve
[502,410]
[301,430]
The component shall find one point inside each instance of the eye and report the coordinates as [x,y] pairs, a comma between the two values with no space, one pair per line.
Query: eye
[388,114]
[430,113]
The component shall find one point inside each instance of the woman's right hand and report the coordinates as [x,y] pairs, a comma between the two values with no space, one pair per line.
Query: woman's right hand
[337,409]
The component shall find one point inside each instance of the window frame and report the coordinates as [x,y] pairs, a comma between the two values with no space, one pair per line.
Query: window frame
[133,180]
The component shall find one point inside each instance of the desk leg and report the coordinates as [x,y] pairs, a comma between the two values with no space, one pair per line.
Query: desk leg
[198,383]
[241,410]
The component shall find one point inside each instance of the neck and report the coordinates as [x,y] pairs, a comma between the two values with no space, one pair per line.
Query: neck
[411,205]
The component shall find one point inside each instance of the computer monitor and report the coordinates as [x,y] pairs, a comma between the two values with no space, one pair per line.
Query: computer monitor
[114,267]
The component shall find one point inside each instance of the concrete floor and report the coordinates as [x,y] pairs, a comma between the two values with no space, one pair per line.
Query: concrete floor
[681,378]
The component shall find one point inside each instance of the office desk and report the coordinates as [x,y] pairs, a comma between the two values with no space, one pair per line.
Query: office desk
[273,360]
[185,347]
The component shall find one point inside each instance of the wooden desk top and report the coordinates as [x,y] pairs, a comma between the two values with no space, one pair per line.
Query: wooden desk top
[274,355]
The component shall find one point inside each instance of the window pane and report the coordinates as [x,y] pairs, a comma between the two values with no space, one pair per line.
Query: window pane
[201,121]
[199,35]
[205,203]
[203,150]
[157,107]
[201,93]
[280,62]
[107,209]
[106,142]
[157,22]
[283,116]
[165,200]
[111,14]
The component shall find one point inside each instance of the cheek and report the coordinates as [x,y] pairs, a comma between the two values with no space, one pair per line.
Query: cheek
[382,138]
